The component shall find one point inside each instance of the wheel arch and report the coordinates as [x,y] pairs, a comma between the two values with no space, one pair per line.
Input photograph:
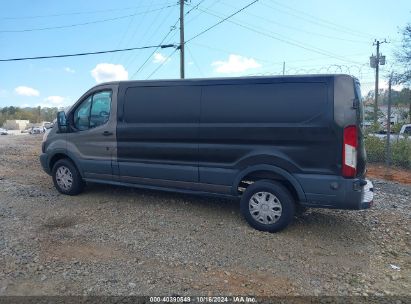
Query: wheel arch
[270,172]
[62,155]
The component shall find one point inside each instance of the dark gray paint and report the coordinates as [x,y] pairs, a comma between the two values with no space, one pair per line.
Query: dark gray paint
[206,135]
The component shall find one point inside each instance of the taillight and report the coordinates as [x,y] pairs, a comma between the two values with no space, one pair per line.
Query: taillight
[350,145]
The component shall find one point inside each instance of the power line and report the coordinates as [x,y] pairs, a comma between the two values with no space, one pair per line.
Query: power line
[300,29]
[194,7]
[200,13]
[270,61]
[148,58]
[172,28]
[209,28]
[89,53]
[127,30]
[142,38]
[318,21]
[285,40]
[228,52]
[195,62]
[164,61]
[78,13]
[221,21]
[84,23]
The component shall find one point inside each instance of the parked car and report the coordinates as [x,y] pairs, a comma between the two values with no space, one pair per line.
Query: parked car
[48,125]
[4,131]
[405,132]
[37,130]
[274,143]
[26,130]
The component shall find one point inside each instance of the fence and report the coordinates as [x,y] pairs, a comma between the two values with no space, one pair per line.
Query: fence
[400,151]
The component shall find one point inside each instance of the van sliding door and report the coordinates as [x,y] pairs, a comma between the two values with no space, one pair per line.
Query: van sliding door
[158,135]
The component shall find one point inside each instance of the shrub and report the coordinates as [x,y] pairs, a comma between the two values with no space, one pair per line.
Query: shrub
[400,151]
[375,148]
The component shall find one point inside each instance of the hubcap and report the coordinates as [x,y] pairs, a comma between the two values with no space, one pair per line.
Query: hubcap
[64,178]
[265,207]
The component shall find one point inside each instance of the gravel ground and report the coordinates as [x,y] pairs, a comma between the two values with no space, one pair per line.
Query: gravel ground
[119,241]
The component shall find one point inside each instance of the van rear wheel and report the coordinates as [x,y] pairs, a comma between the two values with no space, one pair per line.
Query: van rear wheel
[267,206]
[66,177]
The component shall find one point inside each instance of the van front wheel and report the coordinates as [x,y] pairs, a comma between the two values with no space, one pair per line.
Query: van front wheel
[66,177]
[267,206]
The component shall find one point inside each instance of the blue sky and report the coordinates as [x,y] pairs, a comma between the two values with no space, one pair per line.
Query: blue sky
[312,36]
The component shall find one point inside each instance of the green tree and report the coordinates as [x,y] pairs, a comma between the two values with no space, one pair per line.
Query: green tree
[403,56]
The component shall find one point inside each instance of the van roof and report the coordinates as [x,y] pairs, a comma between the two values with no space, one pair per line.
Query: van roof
[230,79]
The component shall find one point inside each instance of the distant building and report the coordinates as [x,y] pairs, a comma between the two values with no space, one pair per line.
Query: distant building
[16,124]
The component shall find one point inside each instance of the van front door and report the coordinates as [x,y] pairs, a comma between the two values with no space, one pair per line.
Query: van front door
[92,142]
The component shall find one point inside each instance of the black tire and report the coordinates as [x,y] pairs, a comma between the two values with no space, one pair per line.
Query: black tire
[282,197]
[77,183]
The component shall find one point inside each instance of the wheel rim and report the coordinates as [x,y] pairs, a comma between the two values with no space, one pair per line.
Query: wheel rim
[265,208]
[64,178]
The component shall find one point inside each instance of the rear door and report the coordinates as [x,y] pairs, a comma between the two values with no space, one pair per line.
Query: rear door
[362,155]
[92,141]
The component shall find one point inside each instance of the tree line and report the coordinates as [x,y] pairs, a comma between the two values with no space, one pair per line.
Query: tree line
[34,115]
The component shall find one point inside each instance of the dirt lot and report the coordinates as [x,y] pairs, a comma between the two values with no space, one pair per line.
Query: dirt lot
[395,174]
[118,241]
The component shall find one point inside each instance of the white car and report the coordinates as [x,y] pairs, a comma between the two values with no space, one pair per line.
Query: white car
[405,132]
[37,130]
[4,131]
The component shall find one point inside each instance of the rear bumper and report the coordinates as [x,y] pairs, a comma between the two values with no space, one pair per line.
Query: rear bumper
[330,191]
[45,163]
[367,198]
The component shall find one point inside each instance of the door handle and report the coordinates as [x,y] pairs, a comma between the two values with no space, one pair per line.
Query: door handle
[107,133]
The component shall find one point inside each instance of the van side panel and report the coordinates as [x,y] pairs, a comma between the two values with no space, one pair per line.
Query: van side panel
[283,123]
[157,133]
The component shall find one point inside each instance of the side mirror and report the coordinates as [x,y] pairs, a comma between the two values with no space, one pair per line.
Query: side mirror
[62,122]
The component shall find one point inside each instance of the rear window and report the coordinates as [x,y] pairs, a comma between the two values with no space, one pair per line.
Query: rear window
[263,103]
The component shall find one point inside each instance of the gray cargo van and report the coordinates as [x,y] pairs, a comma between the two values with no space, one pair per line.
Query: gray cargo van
[275,143]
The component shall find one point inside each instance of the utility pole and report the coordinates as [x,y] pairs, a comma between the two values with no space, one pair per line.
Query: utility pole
[375,62]
[409,111]
[388,147]
[376,82]
[182,39]
[283,68]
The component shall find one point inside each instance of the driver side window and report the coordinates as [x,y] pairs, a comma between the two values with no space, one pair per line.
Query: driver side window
[93,112]
[82,115]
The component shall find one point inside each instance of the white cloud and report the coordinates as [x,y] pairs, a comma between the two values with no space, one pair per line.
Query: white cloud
[160,58]
[69,70]
[26,91]
[56,100]
[104,72]
[235,64]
